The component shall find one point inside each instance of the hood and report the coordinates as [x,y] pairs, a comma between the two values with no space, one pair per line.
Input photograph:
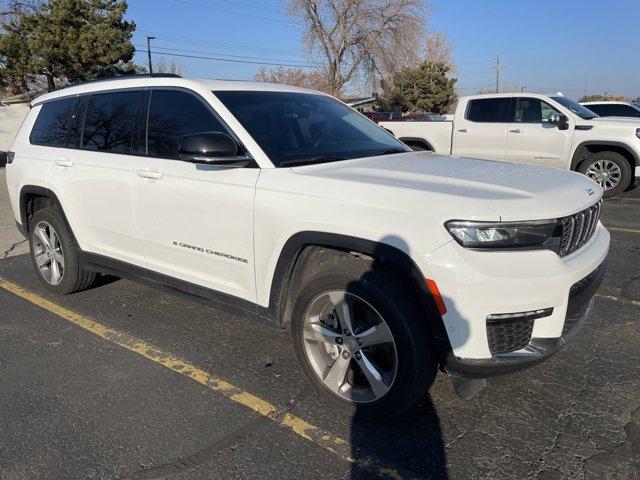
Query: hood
[460,187]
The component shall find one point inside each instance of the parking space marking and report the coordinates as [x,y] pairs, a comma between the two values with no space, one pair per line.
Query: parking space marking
[619,299]
[300,427]
[627,230]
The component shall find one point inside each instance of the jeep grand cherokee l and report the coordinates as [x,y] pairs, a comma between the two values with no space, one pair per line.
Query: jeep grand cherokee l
[283,203]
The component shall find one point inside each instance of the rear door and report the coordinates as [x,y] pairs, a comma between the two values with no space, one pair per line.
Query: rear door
[532,139]
[91,173]
[481,132]
[194,221]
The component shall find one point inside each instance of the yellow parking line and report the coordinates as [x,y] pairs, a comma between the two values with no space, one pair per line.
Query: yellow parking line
[304,429]
[628,230]
[618,299]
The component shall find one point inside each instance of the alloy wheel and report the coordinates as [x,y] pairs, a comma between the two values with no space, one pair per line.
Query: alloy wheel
[349,346]
[605,172]
[48,253]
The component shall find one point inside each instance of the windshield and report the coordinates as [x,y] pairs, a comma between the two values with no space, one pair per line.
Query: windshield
[580,110]
[305,128]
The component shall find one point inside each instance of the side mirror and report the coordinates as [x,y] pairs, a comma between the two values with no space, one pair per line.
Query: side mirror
[212,148]
[559,119]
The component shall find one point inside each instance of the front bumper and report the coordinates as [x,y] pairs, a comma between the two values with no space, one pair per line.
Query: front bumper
[478,285]
[538,349]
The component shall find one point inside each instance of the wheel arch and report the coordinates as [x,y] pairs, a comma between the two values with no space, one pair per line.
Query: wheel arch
[587,148]
[390,256]
[30,202]
[417,141]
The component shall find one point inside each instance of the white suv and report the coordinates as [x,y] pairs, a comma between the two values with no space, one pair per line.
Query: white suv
[286,204]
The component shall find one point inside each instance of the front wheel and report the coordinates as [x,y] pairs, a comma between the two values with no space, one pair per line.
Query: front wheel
[610,170]
[359,339]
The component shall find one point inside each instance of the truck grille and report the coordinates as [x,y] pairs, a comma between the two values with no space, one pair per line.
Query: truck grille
[578,228]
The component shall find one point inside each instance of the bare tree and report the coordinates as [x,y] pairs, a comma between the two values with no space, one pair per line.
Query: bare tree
[294,76]
[374,38]
[174,66]
[438,49]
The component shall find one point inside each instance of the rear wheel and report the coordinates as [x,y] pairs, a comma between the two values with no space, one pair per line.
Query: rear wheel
[359,339]
[54,254]
[608,169]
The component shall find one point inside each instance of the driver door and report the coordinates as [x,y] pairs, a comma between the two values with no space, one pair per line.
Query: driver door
[194,221]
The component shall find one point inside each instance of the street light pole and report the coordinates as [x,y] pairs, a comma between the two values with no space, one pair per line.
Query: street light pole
[149,54]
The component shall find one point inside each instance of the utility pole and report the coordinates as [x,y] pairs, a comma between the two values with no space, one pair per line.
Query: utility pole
[521,89]
[498,73]
[586,84]
[149,54]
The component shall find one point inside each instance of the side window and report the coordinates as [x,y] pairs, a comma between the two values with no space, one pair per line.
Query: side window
[489,110]
[52,123]
[618,110]
[77,119]
[533,110]
[109,120]
[173,114]
[602,110]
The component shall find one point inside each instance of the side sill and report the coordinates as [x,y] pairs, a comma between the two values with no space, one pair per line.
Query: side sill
[223,301]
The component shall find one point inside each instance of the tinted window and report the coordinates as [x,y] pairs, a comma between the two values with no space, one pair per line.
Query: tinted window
[532,110]
[52,122]
[173,114]
[580,110]
[489,110]
[109,120]
[75,130]
[618,110]
[304,128]
[602,110]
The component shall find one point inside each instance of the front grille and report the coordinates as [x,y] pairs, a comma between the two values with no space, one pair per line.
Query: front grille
[578,228]
[508,335]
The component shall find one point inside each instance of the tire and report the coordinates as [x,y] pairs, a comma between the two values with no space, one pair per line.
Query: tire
[73,277]
[604,168]
[363,285]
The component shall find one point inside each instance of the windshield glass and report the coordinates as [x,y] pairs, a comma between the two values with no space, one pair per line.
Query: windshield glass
[303,128]
[580,110]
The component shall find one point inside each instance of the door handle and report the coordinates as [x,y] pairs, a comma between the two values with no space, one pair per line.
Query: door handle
[152,174]
[516,130]
[64,162]
[463,130]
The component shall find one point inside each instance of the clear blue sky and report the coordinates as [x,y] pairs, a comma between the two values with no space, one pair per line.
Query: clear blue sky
[544,45]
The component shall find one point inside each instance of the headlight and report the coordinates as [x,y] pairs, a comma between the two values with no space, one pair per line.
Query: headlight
[507,235]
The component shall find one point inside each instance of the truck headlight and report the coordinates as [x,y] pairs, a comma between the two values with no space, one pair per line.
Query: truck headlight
[507,235]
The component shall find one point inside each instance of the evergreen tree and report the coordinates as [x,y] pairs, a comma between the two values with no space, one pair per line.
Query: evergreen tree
[68,40]
[425,88]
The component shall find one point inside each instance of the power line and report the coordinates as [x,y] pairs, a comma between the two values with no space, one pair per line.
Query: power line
[219,59]
[209,7]
[202,42]
[302,64]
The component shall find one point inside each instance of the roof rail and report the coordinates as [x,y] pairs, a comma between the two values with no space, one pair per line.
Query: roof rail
[122,77]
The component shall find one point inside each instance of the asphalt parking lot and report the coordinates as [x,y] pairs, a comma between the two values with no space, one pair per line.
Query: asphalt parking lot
[124,381]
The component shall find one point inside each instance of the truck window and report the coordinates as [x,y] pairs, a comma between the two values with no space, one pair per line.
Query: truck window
[51,125]
[602,110]
[619,110]
[489,110]
[109,120]
[533,110]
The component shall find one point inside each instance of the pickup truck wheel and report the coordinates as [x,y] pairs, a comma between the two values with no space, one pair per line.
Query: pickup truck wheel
[360,341]
[54,254]
[608,169]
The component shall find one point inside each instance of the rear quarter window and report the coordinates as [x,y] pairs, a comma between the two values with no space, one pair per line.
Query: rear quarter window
[489,110]
[50,128]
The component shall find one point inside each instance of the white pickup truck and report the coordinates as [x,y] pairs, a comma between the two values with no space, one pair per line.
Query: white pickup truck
[552,131]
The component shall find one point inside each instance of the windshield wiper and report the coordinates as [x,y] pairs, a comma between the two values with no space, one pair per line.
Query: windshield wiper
[388,151]
[307,161]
